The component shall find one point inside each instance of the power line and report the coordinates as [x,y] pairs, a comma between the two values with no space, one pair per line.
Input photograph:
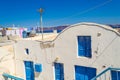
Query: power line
[83,12]
[104,50]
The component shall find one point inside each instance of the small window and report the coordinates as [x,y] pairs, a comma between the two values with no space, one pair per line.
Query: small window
[27,50]
[84,46]
[38,67]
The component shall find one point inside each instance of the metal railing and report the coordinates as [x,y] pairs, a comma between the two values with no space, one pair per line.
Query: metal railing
[104,75]
[8,76]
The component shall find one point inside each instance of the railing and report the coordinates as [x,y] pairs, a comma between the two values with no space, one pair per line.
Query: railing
[104,75]
[8,76]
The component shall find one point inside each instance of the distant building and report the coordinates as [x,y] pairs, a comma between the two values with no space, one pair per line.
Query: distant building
[51,29]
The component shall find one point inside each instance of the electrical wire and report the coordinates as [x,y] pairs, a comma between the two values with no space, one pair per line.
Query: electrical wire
[103,51]
[83,12]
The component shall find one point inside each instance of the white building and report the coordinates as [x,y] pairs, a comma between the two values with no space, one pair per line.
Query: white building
[80,52]
[15,31]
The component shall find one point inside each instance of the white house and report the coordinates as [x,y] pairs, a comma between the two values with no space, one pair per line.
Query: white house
[80,52]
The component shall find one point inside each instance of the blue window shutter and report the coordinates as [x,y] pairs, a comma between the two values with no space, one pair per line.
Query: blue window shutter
[84,46]
[59,71]
[62,72]
[115,75]
[81,46]
[84,73]
[79,73]
[29,70]
[91,72]
[28,73]
[88,46]
[119,75]
[38,67]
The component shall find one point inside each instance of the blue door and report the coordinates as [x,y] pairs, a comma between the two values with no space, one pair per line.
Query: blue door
[84,73]
[59,71]
[29,70]
[115,75]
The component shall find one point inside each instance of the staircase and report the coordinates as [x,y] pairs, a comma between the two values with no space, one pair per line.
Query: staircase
[108,74]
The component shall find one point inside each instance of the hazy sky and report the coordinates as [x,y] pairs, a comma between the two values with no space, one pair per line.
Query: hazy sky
[58,12]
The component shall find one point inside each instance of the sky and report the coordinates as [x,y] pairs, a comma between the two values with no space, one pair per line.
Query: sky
[58,12]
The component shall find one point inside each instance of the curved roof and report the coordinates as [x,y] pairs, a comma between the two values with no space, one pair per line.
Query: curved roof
[106,27]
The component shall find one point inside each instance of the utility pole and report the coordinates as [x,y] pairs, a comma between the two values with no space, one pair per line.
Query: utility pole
[41,26]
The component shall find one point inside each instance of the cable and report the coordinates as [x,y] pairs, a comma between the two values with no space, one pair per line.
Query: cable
[103,50]
[85,11]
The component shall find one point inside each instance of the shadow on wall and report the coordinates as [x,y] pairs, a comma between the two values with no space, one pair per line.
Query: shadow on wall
[37,74]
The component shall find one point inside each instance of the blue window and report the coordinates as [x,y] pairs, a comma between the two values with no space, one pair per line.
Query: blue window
[115,75]
[59,71]
[29,70]
[84,73]
[27,50]
[38,67]
[84,46]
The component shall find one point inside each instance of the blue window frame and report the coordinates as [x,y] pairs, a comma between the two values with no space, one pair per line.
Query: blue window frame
[84,73]
[84,46]
[59,71]
[115,75]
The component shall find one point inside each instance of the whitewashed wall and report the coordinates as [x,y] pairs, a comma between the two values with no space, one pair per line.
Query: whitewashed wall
[105,51]
[6,62]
